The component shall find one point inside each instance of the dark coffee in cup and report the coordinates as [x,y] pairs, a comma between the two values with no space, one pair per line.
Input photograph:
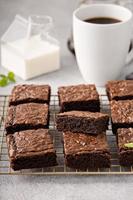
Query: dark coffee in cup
[102,20]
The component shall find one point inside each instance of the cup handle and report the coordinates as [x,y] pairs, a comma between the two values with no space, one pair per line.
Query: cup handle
[129,61]
[130,53]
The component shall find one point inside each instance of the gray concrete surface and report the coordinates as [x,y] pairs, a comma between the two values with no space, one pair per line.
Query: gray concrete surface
[52,187]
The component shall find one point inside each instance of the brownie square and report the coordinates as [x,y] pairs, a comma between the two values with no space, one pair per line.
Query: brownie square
[79,97]
[30,93]
[125,146]
[31,149]
[120,90]
[121,114]
[82,122]
[84,151]
[26,116]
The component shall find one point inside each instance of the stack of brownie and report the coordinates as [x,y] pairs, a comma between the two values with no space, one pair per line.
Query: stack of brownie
[120,94]
[29,142]
[84,127]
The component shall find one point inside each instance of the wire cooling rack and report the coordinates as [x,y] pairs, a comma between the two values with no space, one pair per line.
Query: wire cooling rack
[61,169]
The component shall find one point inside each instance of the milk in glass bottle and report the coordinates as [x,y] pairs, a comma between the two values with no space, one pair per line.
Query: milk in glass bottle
[28,49]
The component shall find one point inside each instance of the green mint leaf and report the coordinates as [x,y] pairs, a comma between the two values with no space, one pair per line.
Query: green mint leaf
[3,82]
[6,80]
[129,145]
[11,77]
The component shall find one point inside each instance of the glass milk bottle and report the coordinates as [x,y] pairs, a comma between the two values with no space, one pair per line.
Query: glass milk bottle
[28,49]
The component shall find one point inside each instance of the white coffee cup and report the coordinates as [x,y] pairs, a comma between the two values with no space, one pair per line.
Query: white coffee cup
[101,49]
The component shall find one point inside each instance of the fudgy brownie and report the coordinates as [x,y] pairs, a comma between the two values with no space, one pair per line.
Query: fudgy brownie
[82,122]
[30,93]
[120,90]
[125,146]
[121,114]
[84,151]
[26,116]
[31,149]
[79,97]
